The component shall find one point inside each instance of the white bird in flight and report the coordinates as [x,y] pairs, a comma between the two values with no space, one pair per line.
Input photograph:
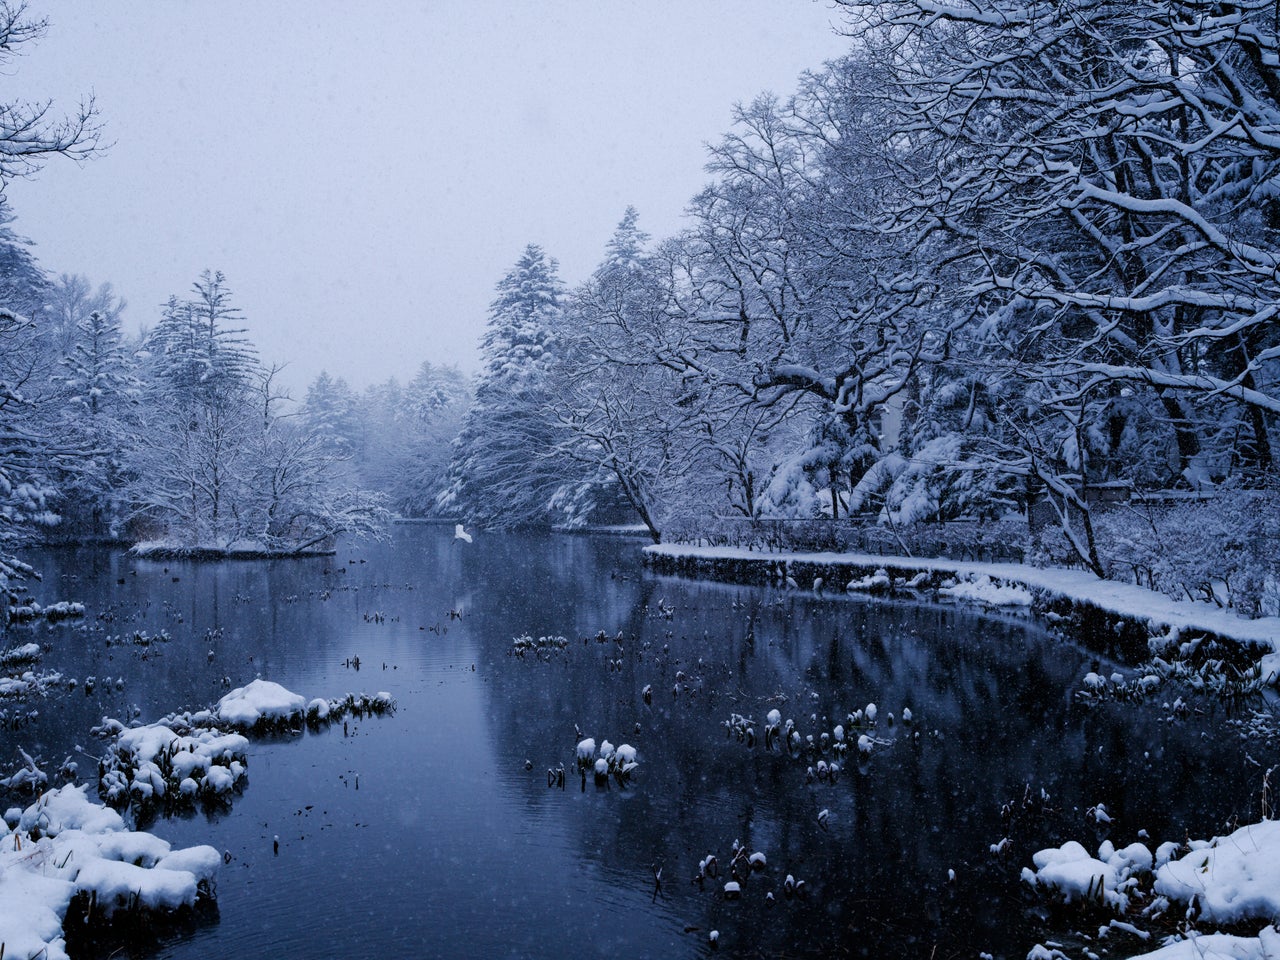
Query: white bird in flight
[460,534]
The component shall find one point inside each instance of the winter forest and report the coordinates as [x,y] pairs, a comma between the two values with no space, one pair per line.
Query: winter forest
[997,259]
[983,317]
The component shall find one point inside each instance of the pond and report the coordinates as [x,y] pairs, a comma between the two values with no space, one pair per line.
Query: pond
[433,831]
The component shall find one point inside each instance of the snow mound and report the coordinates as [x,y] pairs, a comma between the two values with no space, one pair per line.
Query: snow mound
[877,582]
[260,701]
[1220,946]
[1073,873]
[991,592]
[67,845]
[1233,878]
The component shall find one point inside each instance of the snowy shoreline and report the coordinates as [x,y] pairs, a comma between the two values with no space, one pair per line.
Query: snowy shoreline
[1241,891]
[169,551]
[1155,612]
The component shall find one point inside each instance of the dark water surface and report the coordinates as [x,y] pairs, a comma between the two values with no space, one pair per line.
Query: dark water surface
[422,833]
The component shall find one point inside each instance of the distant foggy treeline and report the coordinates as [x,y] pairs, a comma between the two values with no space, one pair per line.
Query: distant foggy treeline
[182,435]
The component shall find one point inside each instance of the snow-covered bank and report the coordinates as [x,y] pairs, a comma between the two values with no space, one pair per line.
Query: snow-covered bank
[1157,613]
[65,846]
[166,550]
[1231,880]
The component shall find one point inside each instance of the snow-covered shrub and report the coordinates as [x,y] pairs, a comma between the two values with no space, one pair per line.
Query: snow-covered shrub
[1220,549]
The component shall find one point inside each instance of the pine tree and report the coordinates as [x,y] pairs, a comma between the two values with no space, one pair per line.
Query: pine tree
[330,413]
[198,351]
[505,471]
[97,395]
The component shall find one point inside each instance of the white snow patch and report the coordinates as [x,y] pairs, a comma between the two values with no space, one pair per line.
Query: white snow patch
[65,844]
[1220,946]
[1234,878]
[257,701]
[985,590]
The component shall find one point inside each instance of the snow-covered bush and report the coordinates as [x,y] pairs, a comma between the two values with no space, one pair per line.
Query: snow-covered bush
[1219,549]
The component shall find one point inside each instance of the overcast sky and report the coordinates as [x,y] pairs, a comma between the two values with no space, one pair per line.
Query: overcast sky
[365,173]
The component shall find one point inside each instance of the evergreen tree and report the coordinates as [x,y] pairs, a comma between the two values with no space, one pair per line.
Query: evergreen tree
[505,469]
[330,413]
[199,353]
[97,397]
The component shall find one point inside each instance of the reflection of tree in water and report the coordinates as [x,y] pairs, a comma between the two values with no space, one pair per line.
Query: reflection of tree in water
[993,704]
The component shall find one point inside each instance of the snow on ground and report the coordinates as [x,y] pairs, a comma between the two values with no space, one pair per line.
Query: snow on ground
[1161,612]
[65,844]
[1220,946]
[1231,880]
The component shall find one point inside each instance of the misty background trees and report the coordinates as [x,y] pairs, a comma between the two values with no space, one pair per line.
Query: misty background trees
[1003,260]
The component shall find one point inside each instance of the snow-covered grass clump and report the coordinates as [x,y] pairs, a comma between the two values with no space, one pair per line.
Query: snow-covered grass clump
[191,756]
[1228,881]
[525,643]
[260,703]
[825,750]
[27,653]
[170,761]
[30,610]
[1076,876]
[68,848]
[28,684]
[619,762]
[984,589]
[320,711]
[1233,878]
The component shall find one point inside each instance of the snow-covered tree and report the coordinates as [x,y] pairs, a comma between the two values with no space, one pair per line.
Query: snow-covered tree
[627,415]
[505,469]
[217,463]
[68,299]
[429,417]
[330,413]
[1105,174]
[29,135]
[97,398]
[199,353]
